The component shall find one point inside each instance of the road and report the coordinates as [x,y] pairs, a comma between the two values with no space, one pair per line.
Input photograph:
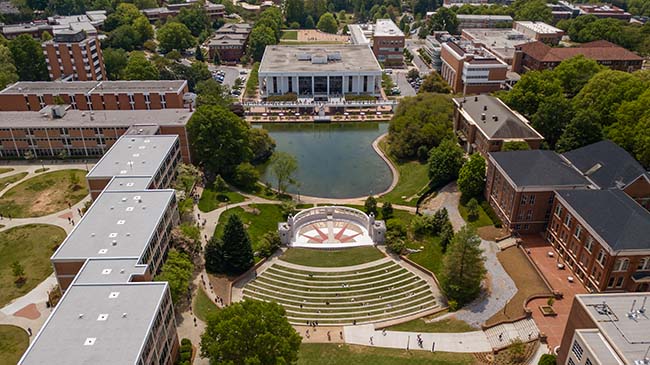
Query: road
[231,73]
[399,78]
[413,45]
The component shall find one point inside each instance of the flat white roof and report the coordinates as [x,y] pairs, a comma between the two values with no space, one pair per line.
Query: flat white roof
[539,27]
[95,118]
[387,28]
[133,155]
[319,58]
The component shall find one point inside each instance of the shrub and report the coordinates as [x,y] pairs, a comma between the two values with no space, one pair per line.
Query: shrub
[547,359]
[370,205]
[246,175]
[453,305]
[185,356]
[490,212]
[395,229]
[550,301]
[387,211]
[472,210]
[397,246]
[269,243]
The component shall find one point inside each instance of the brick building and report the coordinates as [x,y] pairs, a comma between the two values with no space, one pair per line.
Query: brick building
[388,43]
[213,11]
[539,56]
[484,123]
[539,31]
[604,11]
[59,132]
[606,329]
[95,95]
[471,69]
[483,21]
[230,42]
[603,237]
[73,56]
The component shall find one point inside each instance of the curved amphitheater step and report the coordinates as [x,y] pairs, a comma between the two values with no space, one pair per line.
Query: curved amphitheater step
[502,335]
[373,292]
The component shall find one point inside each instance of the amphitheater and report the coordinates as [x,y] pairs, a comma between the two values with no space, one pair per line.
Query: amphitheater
[377,291]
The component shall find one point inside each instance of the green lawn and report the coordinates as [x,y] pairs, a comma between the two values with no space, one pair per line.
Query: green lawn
[31,245]
[443,326]
[13,343]
[257,218]
[11,179]
[482,221]
[203,306]
[289,35]
[211,199]
[431,255]
[4,170]
[332,258]
[413,180]
[44,194]
[339,354]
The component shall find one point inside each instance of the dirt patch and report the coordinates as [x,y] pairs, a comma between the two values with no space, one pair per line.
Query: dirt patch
[313,35]
[491,233]
[220,286]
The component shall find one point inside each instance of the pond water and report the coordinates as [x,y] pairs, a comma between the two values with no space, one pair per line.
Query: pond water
[334,160]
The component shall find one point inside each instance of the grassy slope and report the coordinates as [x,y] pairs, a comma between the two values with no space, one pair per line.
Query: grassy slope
[443,326]
[13,343]
[211,200]
[413,179]
[257,224]
[332,258]
[337,354]
[482,221]
[11,179]
[203,306]
[31,245]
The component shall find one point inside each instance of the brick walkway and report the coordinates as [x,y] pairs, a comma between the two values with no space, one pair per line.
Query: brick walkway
[552,326]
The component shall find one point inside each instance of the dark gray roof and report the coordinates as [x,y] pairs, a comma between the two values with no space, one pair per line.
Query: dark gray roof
[613,166]
[500,121]
[617,218]
[538,168]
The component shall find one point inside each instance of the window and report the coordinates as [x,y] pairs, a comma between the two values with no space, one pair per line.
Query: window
[619,281]
[558,210]
[531,199]
[571,362]
[621,265]
[588,362]
[577,350]
[610,282]
[601,257]
[589,245]
[577,232]
[644,264]
[567,220]
[524,198]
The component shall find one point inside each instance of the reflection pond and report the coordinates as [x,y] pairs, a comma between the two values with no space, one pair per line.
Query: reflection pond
[335,160]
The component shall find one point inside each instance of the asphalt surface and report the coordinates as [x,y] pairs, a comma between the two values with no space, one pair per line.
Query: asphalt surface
[399,78]
[231,73]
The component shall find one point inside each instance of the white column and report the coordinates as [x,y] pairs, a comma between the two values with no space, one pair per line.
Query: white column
[328,86]
[344,85]
[260,81]
[312,86]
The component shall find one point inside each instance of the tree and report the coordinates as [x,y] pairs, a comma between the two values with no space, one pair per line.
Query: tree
[471,177]
[210,92]
[124,14]
[532,10]
[261,144]
[472,210]
[213,255]
[18,270]
[219,184]
[28,58]
[174,35]
[195,19]
[413,74]
[250,332]
[444,163]
[198,53]
[283,166]
[421,120]
[219,139]
[387,211]
[246,176]
[575,72]
[115,61]
[145,4]
[46,36]
[177,272]
[139,68]
[443,19]
[217,58]
[531,90]
[124,37]
[8,71]
[581,131]
[551,117]
[309,23]
[269,243]
[236,249]
[434,83]
[327,23]
[260,37]
[515,146]
[547,359]
[144,30]
[446,235]
[370,205]
[463,267]
[294,11]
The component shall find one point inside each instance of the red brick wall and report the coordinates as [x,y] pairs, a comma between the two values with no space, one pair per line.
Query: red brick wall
[578,319]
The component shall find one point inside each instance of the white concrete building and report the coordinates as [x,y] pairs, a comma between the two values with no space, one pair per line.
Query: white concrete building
[319,72]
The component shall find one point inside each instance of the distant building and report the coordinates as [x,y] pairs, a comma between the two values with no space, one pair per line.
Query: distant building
[95,95]
[484,123]
[539,31]
[606,329]
[499,42]
[88,22]
[563,10]
[604,11]
[229,42]
[385,38]
[319,72]
[539,56]
[483,21]
[213,11]
[72,55]
[433,47]
[471,69]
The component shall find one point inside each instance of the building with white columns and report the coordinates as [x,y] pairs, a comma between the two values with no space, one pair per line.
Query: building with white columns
[319,72]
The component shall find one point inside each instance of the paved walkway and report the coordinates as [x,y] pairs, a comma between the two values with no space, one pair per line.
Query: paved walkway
[502,335]
[467,342]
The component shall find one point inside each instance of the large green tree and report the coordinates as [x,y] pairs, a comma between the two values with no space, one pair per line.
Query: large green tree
[575,72]
[236,249]
[115,61]
[8,71]
[174,35]
[219,139]
[445,161]
[124,37]
[283,166]
[421,120]
[294,11]
[210,92]
[327,23]
[463,267]
[581,131]
[139,68]
[532,10]
[177,272]
[471,177]
[195,19]
[28,58]
[552,116]
[533,88]
[260,37]
[262,145]
[250,332]
[434,83]
[125,14]
[443,19]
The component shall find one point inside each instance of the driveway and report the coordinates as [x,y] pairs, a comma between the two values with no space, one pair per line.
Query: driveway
[231,73]
[399,78]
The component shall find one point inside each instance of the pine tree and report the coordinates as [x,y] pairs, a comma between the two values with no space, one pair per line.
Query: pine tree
[387,211]
[370,205]
[464,267]
[236,249]
[199,53]
[213,257]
